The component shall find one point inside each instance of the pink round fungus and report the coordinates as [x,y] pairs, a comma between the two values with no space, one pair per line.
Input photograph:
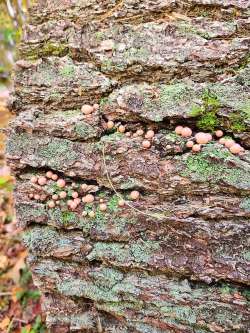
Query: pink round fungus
[54,176]
[140,132]
[55,197]
[186,132]
[88,198]
[51,204]
[63,195]
[222,141]
[134,195]
[103,207]
[121,202]
[150,134]
[110,124]
[49,174]
[236,148]
[34,179]
[61,183]
[201,138]
[178,130]
[87,109]
[189,144]
[219,133]
[229,143]
[121,129]
[196,148]
[146,144]
[75,195]
[42,181]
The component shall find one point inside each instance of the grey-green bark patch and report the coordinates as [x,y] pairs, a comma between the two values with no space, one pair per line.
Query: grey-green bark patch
[212,165]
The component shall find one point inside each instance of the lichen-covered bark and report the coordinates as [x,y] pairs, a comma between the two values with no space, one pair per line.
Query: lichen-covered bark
[176,260]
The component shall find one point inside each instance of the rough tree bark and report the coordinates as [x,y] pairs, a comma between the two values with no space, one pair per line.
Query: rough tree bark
[182,263]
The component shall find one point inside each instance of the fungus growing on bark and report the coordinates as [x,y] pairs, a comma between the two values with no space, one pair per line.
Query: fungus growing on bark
[229,143]
[196,148]
[42,181]
[89,198]
[61,183]
[222,141]
[189,144]
[134,195]
[63,195]
[146,144]
[110,124]
[51,204]
[121,203]
[203,138]
[150,134]
[186,132]
[34,179]
[37,197]
[219,133]
[178,130]
[140,132]
[121,129]
[87,109]
[103,207]
[236,148]
[54,176]
[75,195]
[49,174]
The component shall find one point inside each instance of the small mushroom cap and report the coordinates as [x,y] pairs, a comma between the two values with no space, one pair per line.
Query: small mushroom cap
[186,132]
[87,109]
[42,181]
[49,174]
[121,129]
[146,144]
[88,198]
[150,134]
[103,207]
[236,148]
[196,148]
[178,130]
[75,195]
[140,132]
[189,144]
[34,179]
[55,197]
[110,124]
[84,187]
[61,183]
[73,205]
[63,195]
[121,202]
[134,195]
[77,201]
[51,204]
[54,176]
[219,133]
[229,143]
[222,141]
[37,197]
[202,138]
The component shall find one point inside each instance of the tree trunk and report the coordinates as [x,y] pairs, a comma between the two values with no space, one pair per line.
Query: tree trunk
[177,258]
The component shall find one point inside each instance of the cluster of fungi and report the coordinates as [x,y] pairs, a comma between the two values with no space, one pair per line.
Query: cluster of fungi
[202,138]
[71,195]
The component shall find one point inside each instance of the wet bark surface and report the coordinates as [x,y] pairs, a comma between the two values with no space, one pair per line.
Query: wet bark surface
[177,259]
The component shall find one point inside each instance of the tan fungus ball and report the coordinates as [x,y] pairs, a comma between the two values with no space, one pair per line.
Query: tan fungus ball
[110,124]
[178,130]
[134,195]
[49,174]
[121,129]
[87,109]
[236,148]
[219,133]
[146,144]
[51,204]
[189,144]
[196,148]
[103,207]
[61,183]
[63,195]
[150,134]
[186,132]
[34,179]
[229,143]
